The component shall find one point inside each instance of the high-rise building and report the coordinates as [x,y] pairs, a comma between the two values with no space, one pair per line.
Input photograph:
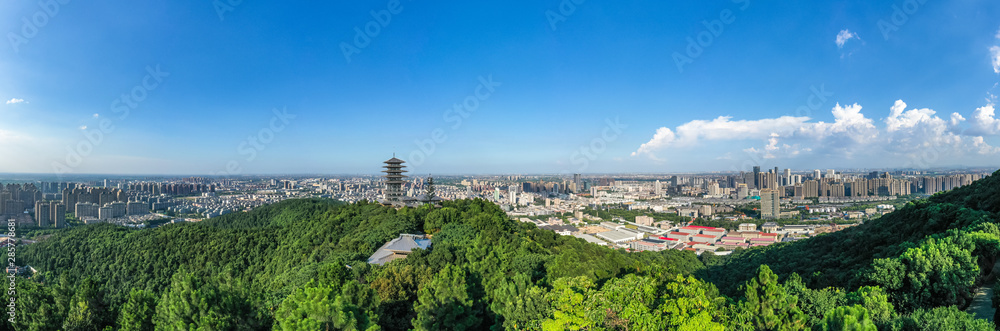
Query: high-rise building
[137,208]
[770,203]
[742,191]
[104,213]
[4,197]
[817,174]
[57,214]
[394,179]
[756,177]
[713,188]
[86,210]
[577,184]
[810,188]
[112,210]
[42,214]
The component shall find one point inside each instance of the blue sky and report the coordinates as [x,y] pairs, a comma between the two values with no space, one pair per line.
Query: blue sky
[588,87]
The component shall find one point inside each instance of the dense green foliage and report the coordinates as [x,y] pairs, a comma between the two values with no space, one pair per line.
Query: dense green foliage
[307,258]
[302,265]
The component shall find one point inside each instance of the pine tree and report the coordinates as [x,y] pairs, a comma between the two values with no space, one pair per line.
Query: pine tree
[772,307]
[847,318]
[137,313]
[445,303]
[86,310]
[196,303]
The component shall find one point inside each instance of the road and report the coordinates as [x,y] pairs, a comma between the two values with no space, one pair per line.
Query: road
[982,305]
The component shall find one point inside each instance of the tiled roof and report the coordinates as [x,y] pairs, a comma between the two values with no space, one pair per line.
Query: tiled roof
[398,248]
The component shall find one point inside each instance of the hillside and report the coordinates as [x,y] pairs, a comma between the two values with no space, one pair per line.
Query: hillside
[264,256]
[964,219]
[301,265]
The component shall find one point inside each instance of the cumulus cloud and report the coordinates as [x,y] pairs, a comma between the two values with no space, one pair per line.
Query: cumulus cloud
[984,121]
[956,118]
[83,127]
[906,134]
[844,36]
[97,115]
[14,101]
[721,128]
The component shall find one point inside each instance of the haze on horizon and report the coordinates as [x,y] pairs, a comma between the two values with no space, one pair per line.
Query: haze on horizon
[236,88]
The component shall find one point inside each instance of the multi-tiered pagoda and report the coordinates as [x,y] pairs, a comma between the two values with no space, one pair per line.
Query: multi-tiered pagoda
[394,180]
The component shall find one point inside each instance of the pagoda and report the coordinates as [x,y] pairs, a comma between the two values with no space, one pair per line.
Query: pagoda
[394,179]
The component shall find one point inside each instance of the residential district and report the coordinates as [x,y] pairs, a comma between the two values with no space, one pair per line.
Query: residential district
[716,212]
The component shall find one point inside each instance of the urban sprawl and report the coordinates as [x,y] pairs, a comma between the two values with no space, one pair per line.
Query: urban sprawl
[716,212]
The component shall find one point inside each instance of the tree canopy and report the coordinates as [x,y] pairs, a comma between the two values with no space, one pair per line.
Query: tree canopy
[302,265]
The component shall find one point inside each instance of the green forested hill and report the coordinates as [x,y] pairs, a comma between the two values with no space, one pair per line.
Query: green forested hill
[846,258]
[262,257]
[300,265]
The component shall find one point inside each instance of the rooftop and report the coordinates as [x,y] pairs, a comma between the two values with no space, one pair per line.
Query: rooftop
[399,248]
[615,235]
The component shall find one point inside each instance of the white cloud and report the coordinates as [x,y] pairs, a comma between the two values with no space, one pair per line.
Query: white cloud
[844,36]
[995,57]
[998,34]
[721,128]
[900,118]
[83,127]
[984,122]
[14,101]
[849,127]
[956,118]
[97,115]
[907,135]
[848,122]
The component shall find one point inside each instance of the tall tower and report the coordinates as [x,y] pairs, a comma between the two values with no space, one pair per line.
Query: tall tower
[394,179]
[756,177]
[770,204]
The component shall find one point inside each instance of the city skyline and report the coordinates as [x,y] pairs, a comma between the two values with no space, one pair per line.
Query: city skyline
[551,87]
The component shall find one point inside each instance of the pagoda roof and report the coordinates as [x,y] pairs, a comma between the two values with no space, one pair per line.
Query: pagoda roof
[394,160]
